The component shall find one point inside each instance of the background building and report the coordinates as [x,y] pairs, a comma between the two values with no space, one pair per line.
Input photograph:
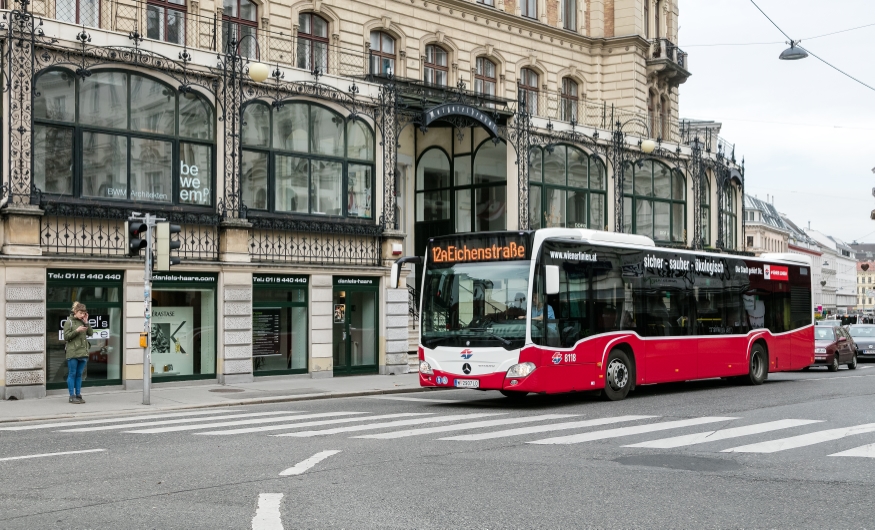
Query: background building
[370,129]
[798,242]
[764,229]
[865,286]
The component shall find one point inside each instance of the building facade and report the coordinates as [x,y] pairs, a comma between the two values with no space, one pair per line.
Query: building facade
[865,286]
[302,147]
[764,229]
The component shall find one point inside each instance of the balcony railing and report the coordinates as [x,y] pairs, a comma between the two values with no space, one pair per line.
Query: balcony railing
[665,49]
[314,242]
[211,33]
[99,231]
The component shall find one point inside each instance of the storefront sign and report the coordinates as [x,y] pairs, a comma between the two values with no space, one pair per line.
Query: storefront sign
[185,277]
[265,332]
[356,281]
[83,276]
[280,279]
[99,323]
[455,109]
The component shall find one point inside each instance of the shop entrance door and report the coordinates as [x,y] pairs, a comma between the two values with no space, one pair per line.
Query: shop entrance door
[356,309]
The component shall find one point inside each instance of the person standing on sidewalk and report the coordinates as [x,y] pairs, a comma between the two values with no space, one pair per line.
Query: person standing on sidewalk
[76,333]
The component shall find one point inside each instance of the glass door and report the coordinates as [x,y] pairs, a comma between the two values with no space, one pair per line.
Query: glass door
[355,331]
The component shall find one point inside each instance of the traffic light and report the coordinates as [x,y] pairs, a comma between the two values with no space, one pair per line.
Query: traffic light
[136,235]
[165,245]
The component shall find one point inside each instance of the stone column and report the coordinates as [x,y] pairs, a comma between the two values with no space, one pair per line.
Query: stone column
[321,323]
[25,351]
[396,320]
[132,374]
[234,241]
[234,364]
[397,334]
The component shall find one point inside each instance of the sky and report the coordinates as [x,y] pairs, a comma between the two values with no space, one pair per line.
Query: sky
[806,132]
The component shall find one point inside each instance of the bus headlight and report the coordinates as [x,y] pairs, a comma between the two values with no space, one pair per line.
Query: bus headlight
[819,350]
[425,368]
[521,370]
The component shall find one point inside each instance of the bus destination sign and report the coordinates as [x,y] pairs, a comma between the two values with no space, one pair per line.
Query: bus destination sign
[476,249]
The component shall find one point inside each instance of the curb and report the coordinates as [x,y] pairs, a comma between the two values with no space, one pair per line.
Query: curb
[239,402]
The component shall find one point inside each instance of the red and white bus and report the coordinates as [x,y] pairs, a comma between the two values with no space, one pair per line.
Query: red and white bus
[568,310]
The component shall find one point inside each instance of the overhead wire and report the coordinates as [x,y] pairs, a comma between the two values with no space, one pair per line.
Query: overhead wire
[775,42]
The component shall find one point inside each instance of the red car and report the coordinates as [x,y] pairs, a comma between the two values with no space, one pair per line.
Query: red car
[833,347]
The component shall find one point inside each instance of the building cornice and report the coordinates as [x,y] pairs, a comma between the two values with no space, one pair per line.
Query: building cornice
[517,25]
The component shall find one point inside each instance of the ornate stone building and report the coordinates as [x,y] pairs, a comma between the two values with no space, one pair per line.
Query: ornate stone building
[302,146]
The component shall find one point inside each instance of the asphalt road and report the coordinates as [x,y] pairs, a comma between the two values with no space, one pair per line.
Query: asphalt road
[546,462]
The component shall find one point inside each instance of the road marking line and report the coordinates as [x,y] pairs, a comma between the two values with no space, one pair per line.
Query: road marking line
[713,436]
[171,422]
[177,428]
[835,378]
[803,440]
[267,514]
[424,400]
[289,426]
[116,420]
[463,426]
[386,425]
[301,467]
[51,454]
[628,431]
[865,451]
[546,428]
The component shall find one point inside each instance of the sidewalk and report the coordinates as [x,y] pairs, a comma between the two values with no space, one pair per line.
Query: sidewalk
[102,401]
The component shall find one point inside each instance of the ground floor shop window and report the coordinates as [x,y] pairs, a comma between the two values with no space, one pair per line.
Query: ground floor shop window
[279,324]
[183,326]
[100,291]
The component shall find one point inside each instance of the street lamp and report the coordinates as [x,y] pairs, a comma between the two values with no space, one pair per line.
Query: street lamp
[793,53]
[258,71]
[648,146]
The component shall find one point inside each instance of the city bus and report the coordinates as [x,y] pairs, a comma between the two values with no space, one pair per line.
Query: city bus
[569,310]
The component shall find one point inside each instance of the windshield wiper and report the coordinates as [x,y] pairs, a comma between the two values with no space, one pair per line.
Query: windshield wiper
[491,334]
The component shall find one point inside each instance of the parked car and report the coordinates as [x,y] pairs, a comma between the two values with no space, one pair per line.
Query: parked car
[830,322]
[864,338]
[834,347]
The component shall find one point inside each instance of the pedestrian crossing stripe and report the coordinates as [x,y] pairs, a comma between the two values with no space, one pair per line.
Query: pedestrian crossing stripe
[491,425]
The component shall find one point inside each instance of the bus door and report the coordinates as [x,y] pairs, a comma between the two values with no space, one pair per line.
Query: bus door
[719,316]
[665,318]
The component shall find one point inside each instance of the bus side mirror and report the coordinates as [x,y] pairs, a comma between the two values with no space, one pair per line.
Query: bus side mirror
[395,276]
[552,283]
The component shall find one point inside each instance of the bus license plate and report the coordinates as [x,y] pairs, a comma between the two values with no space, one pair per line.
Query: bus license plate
[467,383]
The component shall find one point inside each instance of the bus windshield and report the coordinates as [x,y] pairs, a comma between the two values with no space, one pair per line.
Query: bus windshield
[475,304]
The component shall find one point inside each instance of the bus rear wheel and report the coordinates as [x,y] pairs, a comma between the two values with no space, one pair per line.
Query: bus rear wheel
[513,395]
[758,367]
[619,376]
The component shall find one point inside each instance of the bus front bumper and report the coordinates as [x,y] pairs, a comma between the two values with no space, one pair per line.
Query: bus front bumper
[493,381]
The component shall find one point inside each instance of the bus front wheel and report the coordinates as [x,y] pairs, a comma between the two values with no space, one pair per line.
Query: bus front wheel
[758,367]
[618,376]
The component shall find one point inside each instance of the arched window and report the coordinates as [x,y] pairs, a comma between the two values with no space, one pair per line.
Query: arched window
[303,158]
[484,77]
[436,69]
[664,114]
[382,53]
[80,12]
[706,210]
[312,43]
[489,187]
[529,90]
[570,99]
[567,189]
[654,201]
[239,19]
[730,231]
[433,186]
[136,139]
[165,20]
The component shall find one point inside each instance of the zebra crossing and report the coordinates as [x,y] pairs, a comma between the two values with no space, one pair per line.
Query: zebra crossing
[644,431]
